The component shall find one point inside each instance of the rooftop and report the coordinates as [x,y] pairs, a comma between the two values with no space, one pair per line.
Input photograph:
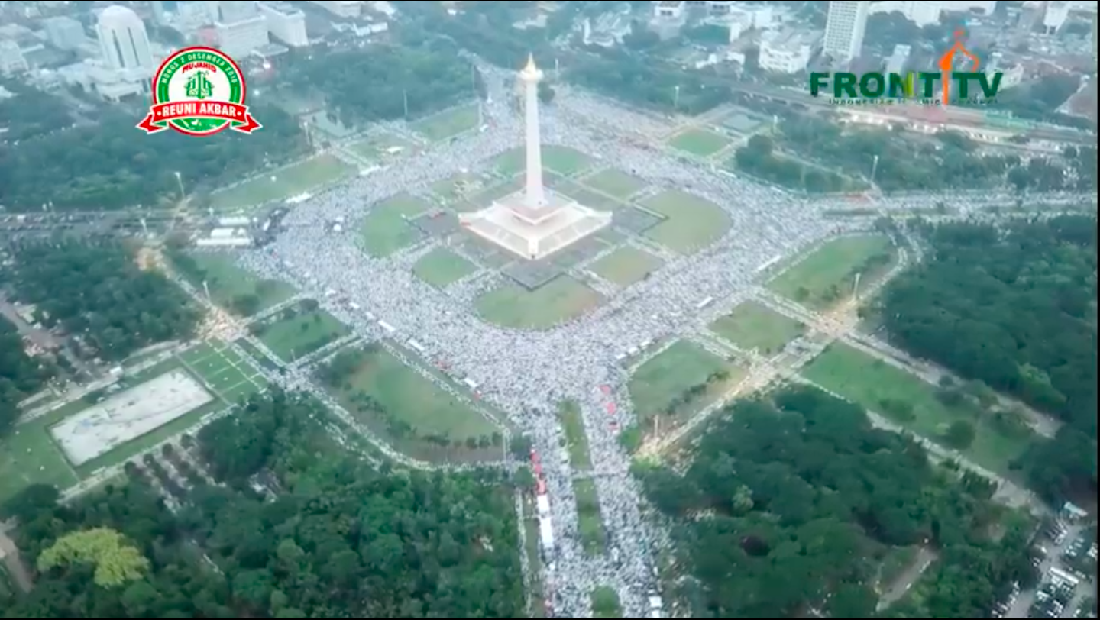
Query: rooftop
[282,7]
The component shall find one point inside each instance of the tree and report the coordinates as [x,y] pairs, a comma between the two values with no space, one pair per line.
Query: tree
[115,561]
[959,434]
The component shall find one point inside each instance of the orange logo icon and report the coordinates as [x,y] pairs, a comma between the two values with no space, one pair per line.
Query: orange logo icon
[947,63]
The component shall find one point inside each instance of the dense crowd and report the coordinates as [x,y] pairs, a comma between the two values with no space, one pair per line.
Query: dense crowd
[530,373]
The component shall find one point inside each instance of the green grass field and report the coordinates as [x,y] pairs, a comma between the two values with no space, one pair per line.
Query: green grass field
[441,267]
[558,159]
[753,325]
[375,147]
[587,196]
[457,186]
[626,265]
[868,382]
[572,426]
[448,123]
[692,221]
[305,176]
[484,197]
[828,274]
[699,142]
[414,400]
[660,381]
[615,182]
[228,282]
[301,335]
[589,523]
[386,228]
[514,306]
[31,456]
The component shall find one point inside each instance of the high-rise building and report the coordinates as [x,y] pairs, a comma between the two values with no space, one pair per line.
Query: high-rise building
[844,30]
[123,41]
[11,58]
[240,28]
[285,23]
[64,33]
[341,8]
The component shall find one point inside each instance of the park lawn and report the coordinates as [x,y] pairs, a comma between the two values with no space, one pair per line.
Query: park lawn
[29,455]
[588,197]
[448,123]
[868,382]
[691,222]
[589,523]
[699,142]
[833,266]
[376,146]
[387,227]
[615,182]
[295,179]
[441,267]
[626,265]
[457,186]
[572,426]
[485,197]
[410,397]
[561,160]
[228,282]
[658,382]
[753,325]
[514,306]
[301,335]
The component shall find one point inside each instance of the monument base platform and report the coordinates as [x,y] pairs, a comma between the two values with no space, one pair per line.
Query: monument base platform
[508,224]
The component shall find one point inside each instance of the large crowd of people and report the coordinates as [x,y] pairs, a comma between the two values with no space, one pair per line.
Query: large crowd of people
[529,373]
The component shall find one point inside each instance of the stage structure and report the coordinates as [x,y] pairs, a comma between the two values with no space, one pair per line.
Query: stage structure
[535,221]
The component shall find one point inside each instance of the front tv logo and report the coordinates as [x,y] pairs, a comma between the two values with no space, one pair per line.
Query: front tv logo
[884,88]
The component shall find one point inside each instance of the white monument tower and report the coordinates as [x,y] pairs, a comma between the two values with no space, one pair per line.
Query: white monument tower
[535,222]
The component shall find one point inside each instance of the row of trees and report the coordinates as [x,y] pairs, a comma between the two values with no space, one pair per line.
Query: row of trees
[342,539]
[388,83]
[96,293]
[1014,307]
[787,505]
[758,158]
[110,165]
[639,82]
[30,113]
[20,375]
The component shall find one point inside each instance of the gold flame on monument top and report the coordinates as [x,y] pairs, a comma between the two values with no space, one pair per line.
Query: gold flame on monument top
[530,70]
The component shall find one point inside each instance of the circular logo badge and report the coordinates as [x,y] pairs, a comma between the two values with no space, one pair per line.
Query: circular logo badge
[198,91]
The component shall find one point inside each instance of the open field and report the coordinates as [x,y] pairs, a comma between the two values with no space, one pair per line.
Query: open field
[562,160]
[572,426]
[561,299]
[660,385]
[699,142]
[378,146]
[441,267]
[753,325]
[691,223]
[615,182]
[300,335]
[31,456]
[232,287]
[295,179]
[828,274]
[870,382]
[484,197]
[626,265]
[589,523]
[405,398]
[448,123]
[459,185]
[588,196]
[386,228]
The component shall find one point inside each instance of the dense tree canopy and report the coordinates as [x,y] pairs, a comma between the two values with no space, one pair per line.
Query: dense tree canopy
[98,294]
[639,82]
[336,540]
[110,165]
[361,87]
[1014,307]
[20,374]
[30,113]
[783,507]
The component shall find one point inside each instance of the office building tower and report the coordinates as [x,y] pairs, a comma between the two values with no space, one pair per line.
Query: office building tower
[844,30]
[123,41]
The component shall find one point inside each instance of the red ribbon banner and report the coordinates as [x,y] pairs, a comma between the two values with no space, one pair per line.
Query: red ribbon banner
[161,112]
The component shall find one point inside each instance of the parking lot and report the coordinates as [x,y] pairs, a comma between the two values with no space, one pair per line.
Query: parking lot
[1065,558]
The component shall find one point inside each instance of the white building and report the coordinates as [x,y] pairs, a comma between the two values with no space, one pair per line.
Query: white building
[925,13]
[668,9]
[786,52]
[12,60]
[341,8]
[844,30]
[896,62]
[123,42]
[64,32]
[240,28]
[1055,15]
[285,23]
